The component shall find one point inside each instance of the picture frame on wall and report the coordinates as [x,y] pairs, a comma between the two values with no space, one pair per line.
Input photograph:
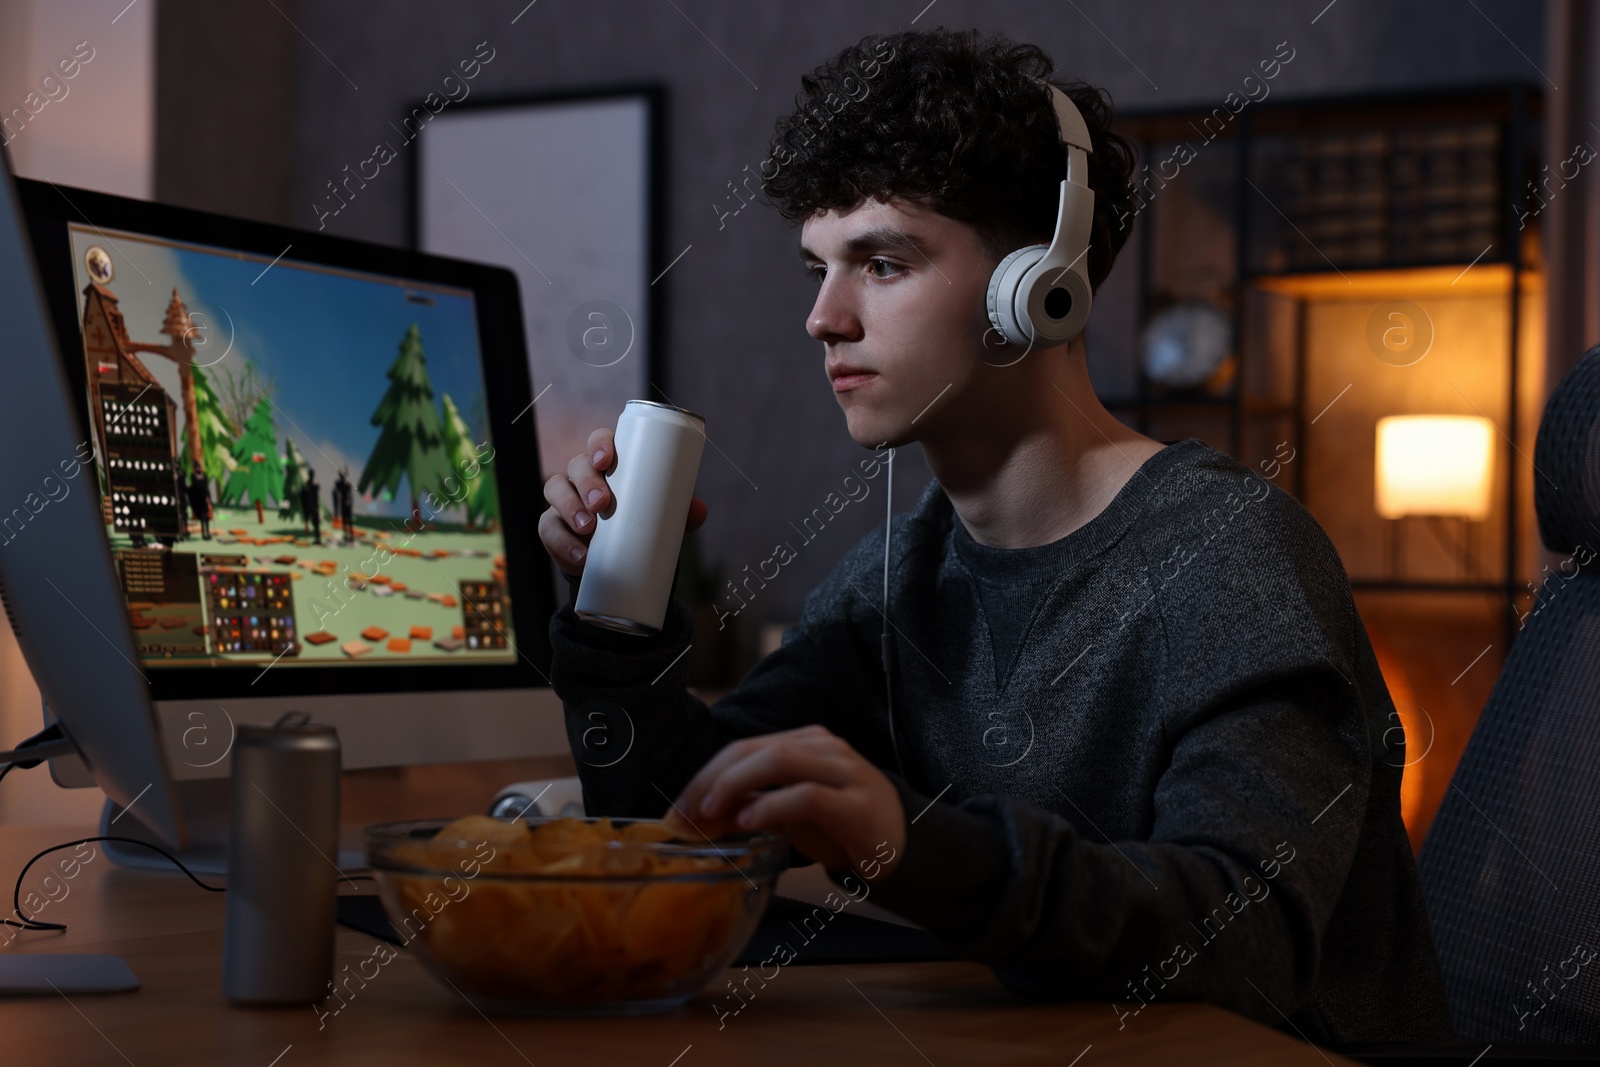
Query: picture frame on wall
[566,190]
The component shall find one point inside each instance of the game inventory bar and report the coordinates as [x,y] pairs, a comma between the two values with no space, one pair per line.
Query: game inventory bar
[482,615]
[251,612]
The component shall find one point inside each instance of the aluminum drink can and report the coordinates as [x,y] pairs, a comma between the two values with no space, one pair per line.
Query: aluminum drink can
[633,552]
[283,848]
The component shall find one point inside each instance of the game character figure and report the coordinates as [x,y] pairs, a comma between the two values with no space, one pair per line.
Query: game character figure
[344,505]
[311,505]
[181,500]
[199,493]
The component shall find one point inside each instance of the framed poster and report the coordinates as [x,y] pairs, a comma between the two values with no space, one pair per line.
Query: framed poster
[565,191]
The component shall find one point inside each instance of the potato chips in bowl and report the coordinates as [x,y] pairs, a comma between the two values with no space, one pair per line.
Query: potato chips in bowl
[571,915]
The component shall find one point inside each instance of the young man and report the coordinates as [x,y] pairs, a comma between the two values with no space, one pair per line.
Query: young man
[1149,755]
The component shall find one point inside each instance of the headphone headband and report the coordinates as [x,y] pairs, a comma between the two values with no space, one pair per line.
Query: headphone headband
[1041,293]
[1074,132]
[1069,120]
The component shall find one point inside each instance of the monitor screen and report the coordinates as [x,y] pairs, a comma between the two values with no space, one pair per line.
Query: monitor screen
[295,460]
[301,449]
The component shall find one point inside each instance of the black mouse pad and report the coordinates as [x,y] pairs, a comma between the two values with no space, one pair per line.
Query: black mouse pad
[809,933]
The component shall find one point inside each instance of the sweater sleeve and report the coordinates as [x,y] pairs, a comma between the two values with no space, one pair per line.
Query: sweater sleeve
[638,735]
[1235,885]
[1256,820]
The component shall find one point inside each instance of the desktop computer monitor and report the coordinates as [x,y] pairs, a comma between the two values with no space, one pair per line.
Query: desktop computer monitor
[63,599]
[316,468]
[56,577]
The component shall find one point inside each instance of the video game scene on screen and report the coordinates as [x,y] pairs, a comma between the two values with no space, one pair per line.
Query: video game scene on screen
[294,462]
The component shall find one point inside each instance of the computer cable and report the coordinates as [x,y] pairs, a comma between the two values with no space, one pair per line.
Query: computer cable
[47,736]
[52,742]
[29,923]
[52,739]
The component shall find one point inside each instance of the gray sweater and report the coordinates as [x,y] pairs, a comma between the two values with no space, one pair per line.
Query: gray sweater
[1181,783]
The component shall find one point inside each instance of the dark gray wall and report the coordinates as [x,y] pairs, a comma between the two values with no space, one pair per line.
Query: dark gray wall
[256,114]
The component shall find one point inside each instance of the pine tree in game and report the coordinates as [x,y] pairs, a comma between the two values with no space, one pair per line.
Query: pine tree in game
[411,444]
[257,476]
[483,500]
[461,459]
[294,483]
[467,474]
[217,431]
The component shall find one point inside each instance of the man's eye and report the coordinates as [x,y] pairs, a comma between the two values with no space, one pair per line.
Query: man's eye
[816,273]
[884,263]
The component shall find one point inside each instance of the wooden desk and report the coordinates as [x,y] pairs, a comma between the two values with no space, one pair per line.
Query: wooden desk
[933,1013]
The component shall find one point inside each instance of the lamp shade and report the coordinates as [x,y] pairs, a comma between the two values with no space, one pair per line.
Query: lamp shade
[1434,465]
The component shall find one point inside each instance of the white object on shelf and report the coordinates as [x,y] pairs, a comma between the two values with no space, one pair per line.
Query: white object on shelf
[542,797]
[1186,343]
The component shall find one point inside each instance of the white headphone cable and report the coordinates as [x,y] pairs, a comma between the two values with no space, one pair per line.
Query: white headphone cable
[885,641]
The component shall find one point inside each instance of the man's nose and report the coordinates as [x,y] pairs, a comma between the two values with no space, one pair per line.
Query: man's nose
[833,318]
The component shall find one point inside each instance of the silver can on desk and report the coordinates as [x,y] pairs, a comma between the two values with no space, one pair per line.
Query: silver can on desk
[283,845]
[633,552]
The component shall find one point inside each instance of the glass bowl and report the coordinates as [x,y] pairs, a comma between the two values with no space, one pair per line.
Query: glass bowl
[571,916]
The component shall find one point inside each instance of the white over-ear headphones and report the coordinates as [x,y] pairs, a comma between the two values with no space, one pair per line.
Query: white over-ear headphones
[1040,295]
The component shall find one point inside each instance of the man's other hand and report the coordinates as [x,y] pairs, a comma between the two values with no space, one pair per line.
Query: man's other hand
[808,785]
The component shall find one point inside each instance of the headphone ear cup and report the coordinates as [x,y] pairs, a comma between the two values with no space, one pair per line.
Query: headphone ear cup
[1002,297]
[1057,306]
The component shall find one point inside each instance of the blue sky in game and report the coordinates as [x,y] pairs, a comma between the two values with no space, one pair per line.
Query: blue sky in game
[324,340]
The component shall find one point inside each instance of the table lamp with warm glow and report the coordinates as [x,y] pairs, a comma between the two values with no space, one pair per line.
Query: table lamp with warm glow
[1435,465]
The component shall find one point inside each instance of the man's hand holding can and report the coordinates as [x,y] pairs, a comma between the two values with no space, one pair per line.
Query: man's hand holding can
[580,494]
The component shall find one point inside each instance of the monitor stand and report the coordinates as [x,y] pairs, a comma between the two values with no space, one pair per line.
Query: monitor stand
[205,805]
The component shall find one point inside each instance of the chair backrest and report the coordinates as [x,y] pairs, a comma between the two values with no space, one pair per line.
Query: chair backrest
[1511,864]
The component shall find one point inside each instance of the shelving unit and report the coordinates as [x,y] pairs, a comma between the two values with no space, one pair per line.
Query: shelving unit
[1296,217]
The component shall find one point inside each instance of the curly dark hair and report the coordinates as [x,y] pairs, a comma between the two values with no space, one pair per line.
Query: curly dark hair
[957,122]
